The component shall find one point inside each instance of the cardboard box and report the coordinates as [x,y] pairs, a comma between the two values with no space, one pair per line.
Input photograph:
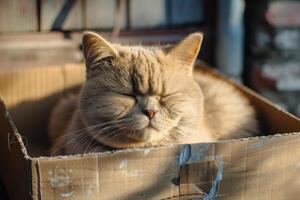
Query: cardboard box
[266,167]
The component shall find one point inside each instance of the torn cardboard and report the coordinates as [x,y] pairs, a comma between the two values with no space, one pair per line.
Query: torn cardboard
[266,167]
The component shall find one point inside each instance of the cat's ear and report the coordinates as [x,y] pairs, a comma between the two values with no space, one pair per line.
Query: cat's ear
[187,50]
[96,48]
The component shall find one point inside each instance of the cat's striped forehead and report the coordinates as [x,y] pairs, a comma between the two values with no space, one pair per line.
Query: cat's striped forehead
[147,68]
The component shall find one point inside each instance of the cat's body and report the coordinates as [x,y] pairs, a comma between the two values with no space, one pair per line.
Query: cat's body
[141,97]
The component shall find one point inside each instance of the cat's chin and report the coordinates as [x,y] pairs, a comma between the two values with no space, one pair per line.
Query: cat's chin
[146,137]
[147,134]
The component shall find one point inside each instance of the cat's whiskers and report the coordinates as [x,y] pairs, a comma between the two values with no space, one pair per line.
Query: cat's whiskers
[132,133]
[89,128]
[105,136]
[77,132]
[81,135]
[78,136]
[111,126]
[107,128]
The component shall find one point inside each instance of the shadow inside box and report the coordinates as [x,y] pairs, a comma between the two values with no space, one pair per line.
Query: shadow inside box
[31,118]
[3,192]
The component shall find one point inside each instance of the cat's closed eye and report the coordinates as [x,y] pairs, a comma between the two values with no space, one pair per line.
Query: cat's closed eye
[127,94]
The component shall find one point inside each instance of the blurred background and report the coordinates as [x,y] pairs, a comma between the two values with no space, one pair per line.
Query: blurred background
[257,42]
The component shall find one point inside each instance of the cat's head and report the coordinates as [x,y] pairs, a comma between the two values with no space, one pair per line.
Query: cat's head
[140,96]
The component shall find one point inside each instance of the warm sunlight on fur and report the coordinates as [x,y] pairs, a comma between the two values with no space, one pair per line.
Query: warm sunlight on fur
[147,96]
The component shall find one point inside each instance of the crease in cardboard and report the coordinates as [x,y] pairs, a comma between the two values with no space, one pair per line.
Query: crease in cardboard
[38,179]
[98,179]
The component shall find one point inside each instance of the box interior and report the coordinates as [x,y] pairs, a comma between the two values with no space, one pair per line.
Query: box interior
[31,92]
[251,168]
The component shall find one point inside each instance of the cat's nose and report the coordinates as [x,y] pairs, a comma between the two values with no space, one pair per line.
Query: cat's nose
[149,113]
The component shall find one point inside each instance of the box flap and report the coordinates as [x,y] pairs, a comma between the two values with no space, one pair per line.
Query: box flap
[15,163]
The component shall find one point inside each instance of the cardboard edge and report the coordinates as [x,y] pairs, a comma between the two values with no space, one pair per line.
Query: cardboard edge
[18,137]
[35,180]
[264,137]
[15,162]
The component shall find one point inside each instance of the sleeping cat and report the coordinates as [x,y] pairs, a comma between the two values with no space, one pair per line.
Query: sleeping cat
[138,96]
